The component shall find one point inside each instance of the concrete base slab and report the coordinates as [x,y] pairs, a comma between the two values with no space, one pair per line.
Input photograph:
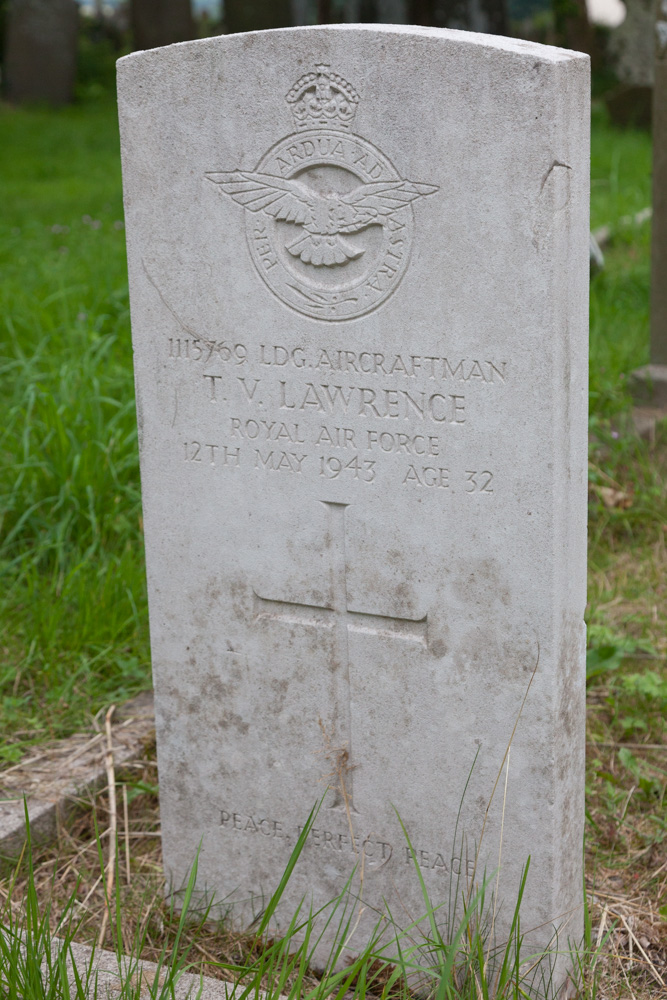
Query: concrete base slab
[52,779]
[107,974]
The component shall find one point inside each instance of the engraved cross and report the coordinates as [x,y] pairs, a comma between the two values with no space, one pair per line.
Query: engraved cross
[337,617]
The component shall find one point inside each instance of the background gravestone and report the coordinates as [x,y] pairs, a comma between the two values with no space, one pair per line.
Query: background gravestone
[472,15]
[659,232]
[40,51]
[488,16]
[255,15]
[650,382]
[632,43]
[358,267]
[631,46]
[161,22]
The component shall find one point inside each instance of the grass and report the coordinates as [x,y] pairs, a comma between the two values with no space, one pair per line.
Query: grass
[65,899]
[73,624]
[38,963]
[73,609]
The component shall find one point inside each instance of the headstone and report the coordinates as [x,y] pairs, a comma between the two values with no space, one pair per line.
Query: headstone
[40,51]
[359,275]
[650,382]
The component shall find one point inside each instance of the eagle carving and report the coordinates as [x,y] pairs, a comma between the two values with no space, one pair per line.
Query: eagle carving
[325,218]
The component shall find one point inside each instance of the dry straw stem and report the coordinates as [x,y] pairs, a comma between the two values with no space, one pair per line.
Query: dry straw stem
[500,771]
[619,744]
[72,763]
[631,942]
[633,937]
[113,823]
[126,826]
[500,857]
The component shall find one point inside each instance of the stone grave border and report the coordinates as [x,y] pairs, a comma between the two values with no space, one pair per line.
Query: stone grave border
[55,778]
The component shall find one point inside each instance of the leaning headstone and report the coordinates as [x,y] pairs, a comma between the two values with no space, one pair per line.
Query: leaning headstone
[359,276]
[650,382]
[40,51]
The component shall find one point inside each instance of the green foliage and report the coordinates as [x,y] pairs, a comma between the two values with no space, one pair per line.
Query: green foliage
[448,952]
[100,43]
[639,702]
[445,953]
[652,788]
[620,188]
[36,959]
[72,605]
[601,660]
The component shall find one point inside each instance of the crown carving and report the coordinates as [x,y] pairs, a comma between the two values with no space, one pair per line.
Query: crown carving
[323,99]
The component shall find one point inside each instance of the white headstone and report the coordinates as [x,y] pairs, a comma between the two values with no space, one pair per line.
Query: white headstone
[359,275]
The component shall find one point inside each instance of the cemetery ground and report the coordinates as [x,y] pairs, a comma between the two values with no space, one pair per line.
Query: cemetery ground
[73,618]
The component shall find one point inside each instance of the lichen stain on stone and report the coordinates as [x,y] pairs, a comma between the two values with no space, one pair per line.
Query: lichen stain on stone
[241,593]
[571,712]
[213,591]
[519,656]
[438,649]
[477,653]
[230,719]
[280,690]
[214,688]
[481,582]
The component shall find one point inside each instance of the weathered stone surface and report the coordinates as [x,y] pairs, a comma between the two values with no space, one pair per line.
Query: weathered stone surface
[359,275]
[52,779]
[40,51]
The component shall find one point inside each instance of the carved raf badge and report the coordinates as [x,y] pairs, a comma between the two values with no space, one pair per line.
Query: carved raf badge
[329,219]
